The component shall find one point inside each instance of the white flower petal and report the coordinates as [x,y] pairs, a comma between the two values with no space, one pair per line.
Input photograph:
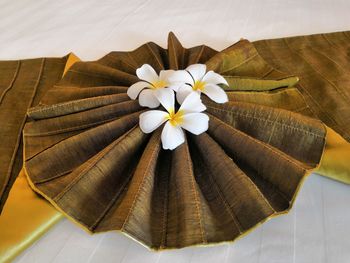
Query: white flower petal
[147,73]
[197,70]
[166,97]
[215,93]
[174,87]
[135,89]
[172,136]
[195,123]
[151,120]
[214,78]
[148,99]
[192,103]
[166,74]
[183,92]
[180,77]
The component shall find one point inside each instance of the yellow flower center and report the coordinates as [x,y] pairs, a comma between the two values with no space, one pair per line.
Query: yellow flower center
[159,84]
[175,119]
[198,85]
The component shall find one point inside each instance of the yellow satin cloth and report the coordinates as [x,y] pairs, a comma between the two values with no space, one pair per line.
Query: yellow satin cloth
[335,160]
[72,58]
[25,218]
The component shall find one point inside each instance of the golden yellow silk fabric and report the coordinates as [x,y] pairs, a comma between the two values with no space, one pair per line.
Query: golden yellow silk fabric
[25,218]
[72,58]
[335,162]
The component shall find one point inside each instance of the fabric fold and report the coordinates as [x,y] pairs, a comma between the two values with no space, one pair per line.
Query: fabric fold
[22,85]
[82,144]
[322,63]
[216,187]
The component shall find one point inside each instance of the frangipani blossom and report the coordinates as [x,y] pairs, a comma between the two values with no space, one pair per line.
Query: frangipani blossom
[188,117]
[195,79]
[150,82]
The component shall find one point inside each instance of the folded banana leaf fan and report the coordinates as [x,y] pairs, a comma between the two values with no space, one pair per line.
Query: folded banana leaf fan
[85,152]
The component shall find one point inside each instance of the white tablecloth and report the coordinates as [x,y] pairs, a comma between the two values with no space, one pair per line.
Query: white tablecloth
[317,228]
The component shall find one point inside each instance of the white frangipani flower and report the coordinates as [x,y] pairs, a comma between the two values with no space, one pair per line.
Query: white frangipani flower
[188,117]
[150,82]
[195,79]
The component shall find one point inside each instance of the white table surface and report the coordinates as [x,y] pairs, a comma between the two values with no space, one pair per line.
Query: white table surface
[316,230]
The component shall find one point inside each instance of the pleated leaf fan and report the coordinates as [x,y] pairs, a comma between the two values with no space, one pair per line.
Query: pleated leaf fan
[85,152]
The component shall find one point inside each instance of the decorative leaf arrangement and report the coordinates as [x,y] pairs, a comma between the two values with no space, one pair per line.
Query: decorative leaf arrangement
[239,155]
[188,84]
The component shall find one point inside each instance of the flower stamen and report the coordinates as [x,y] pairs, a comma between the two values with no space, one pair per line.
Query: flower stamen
[159,84]
[198,85]
[175,119]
